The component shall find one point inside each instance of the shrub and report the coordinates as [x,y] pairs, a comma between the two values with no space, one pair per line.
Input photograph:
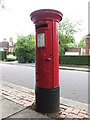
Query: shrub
[74,60]
[8,53]
[13,53]
[11,59]
[0,55]
[3,55]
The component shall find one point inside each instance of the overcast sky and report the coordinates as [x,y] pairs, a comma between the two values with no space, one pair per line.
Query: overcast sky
[16,17]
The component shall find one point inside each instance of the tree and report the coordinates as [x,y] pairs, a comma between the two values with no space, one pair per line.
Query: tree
[66,30]
[64,44]
[25,48]
[82,43]
[72,45]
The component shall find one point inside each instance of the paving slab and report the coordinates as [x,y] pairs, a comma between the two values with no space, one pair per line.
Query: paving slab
[0,110]
[1,97]
[9,108]
[68,108]
[27,113]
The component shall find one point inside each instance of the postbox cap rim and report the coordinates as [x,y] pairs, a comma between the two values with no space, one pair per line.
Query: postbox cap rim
[43,12]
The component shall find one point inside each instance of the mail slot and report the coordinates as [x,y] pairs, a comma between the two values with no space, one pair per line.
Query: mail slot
[47,59]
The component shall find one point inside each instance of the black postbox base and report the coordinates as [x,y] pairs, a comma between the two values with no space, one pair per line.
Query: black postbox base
[47,100]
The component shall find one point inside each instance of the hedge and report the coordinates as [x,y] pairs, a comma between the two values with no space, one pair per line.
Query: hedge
[11,59]
[74,60]
[3,55]
[0,55]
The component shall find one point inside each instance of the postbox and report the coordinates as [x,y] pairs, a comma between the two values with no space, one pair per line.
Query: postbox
[47,59]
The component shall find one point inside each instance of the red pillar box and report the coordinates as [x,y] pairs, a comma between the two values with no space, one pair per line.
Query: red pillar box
[47,59]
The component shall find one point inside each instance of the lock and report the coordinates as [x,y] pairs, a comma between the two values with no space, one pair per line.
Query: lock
[48,59]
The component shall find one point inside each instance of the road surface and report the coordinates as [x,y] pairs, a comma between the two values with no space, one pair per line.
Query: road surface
[73,84]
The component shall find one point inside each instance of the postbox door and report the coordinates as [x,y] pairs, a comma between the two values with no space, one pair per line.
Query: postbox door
[44,58]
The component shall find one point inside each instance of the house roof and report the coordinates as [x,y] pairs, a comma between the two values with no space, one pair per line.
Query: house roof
[4,44]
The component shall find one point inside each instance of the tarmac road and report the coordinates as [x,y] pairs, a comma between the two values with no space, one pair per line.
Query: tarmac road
[73,84]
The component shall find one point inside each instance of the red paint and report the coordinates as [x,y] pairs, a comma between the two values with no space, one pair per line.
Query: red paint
[47,57]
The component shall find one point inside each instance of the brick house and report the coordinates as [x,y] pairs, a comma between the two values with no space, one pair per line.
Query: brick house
[4,45]
[87,48]
[11,47]
[7,46]
[73,51]
[81,51]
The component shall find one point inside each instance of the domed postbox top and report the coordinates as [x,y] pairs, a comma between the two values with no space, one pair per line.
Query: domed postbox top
[46,14]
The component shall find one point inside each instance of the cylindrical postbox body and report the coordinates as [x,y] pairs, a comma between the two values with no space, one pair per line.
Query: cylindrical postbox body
[47,59]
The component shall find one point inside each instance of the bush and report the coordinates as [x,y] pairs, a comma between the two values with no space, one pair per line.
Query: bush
[13,53]
[11,59]
[3,55]
[8,53]
[74,60]
[0,55]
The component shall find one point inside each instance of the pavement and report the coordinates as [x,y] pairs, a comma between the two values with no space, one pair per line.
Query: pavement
[65,67]
[19,102]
